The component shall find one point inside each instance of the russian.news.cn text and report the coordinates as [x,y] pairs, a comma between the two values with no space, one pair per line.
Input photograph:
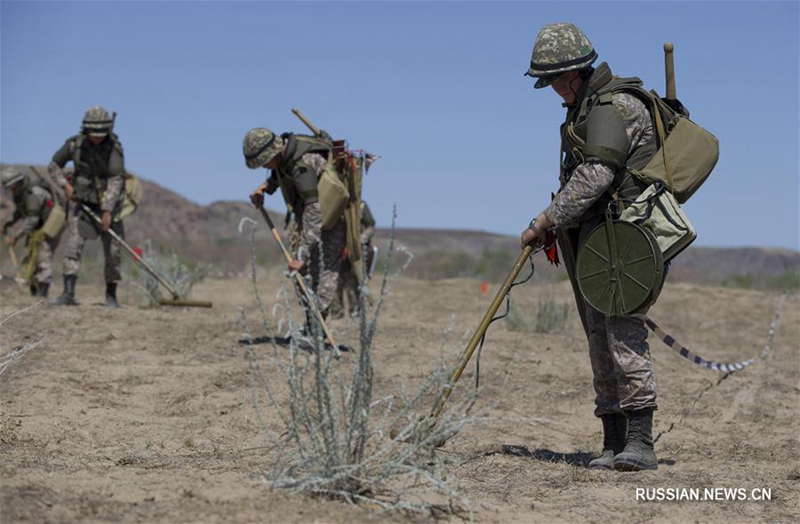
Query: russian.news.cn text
[703,494]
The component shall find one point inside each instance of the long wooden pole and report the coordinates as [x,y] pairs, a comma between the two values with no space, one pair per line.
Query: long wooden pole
[176,300]
[669,69]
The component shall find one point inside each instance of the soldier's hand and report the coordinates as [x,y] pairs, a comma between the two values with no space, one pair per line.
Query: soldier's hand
[531,237]
[11,240]
[296,265]
[106,221]
[68,191]
[257,197]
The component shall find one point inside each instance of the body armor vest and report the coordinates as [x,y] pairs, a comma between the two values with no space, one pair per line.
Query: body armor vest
[29,202]
[92,167]
[594,130]
[296,147]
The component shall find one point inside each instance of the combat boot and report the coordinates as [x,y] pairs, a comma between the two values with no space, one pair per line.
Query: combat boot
[67,298]
[638,454]
[615,428]
[44,287]
[111,295]
[34,289]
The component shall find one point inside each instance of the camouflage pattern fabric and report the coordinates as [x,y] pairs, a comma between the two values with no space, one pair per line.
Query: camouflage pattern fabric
[43,267]
[618,348]
[99,172]
[33,206]
[75,243]
[588,181]
[620,357]
[346,299]
[97,122]
[323,258]
[559,48]
[260,145]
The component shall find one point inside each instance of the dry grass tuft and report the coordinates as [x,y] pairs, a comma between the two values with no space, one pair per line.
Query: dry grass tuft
[334,440]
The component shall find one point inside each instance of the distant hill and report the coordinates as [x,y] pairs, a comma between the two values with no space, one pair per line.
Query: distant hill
[211,234]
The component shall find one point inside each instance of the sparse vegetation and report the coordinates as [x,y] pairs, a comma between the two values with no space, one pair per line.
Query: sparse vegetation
[787,281]
[335,438]
[181,274]
[551,316]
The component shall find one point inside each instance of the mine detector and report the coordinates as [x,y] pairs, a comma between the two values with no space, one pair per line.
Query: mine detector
[176,298]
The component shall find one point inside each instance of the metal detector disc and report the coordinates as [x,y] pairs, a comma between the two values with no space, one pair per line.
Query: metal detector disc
[619,268]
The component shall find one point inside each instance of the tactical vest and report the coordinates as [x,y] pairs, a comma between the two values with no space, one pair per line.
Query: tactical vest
[28,202]
[594,131]
[297,146]
[91,167]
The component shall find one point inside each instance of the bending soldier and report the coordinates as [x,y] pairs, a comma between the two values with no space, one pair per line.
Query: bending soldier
[600,142]
[38,218]
[98,183]
[347,290]
[296,163]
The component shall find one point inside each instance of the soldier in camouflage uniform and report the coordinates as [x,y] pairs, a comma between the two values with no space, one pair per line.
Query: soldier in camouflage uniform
[97,182]
[347,290]
[599,143]
[296,163]
[34,203]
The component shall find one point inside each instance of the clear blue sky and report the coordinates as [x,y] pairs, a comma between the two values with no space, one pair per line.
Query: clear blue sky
[435,88]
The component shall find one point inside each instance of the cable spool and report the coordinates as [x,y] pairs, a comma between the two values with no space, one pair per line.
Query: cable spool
[619,268]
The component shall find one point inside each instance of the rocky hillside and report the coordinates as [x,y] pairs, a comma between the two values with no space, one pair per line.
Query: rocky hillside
[211,234]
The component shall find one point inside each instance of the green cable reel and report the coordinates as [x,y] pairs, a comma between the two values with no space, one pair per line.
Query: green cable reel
[619,268]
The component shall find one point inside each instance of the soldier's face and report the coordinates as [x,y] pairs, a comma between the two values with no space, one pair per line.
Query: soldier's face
[97,139]
[273,163]
[566,86]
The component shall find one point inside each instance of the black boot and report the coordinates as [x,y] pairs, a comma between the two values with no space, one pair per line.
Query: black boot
[67,298]
[615,428]
[638,453]
[44,287]
[34,289]
[111,295]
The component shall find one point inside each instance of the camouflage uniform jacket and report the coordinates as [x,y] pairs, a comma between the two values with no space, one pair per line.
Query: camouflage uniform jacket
[33,205]
[98,179]
[586,183]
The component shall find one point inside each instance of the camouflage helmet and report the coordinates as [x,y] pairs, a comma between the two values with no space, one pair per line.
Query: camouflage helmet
[260,146]
[97,122]
[11,176]
[559,48]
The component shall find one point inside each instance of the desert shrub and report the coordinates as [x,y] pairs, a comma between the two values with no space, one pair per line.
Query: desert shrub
[739,281]
[788,281]
[335,439]
[551,316]
[494,264]
[179,273]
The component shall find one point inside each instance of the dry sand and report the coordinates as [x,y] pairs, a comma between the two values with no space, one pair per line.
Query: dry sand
[145,414]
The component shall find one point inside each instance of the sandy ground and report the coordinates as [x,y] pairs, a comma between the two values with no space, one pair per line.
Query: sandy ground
[145,414]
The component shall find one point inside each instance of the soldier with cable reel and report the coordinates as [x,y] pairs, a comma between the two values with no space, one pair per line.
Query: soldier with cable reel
[613,153]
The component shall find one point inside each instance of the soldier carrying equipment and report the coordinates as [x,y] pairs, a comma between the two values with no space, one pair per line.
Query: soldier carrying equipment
[40,219]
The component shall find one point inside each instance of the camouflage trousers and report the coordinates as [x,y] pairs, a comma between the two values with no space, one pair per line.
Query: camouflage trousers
[346,299]
[76,242]
[620,357]
[618,350]
[43,273]
[323,264]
